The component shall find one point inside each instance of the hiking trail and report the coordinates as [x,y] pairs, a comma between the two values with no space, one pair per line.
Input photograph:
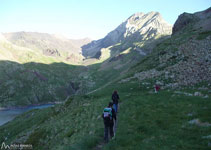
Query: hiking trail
[100,145]
[99,88]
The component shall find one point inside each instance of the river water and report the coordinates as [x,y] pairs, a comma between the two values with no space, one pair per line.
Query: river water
[9,114]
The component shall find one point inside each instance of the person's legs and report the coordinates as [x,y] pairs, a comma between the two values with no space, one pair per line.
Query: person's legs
[115,107]
[106,133]
[114,128]
[115,125]
[111,130]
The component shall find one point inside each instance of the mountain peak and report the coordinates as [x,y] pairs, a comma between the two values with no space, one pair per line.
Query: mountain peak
[137,14]
[141,22]
[140,14]
[136,28]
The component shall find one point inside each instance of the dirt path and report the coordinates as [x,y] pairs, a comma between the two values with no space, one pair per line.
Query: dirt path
[99,88]
[100,145]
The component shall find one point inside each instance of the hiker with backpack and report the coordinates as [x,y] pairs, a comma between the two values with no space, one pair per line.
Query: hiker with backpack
[115,99]
[109,116]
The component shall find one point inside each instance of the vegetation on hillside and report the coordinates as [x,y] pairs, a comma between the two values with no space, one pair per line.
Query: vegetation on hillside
[145,121]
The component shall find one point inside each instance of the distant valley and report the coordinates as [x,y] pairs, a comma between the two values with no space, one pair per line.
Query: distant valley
[39,68]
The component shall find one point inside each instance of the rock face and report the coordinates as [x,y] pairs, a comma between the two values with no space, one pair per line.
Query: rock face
[51,52]
[199,19]
[183,20]
[195,67]
[185,58]
[138,27]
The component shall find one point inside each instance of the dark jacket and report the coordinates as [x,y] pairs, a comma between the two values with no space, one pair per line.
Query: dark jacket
[115,98]
[113,116]
[108,121]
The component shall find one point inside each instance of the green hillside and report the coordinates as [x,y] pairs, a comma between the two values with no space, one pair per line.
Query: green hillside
[145,121]
[35,83]
[39,68]
[30,77]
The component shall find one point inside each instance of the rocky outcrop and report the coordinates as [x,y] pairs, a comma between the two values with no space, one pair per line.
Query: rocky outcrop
[198,20]
[192,65]
[195,62]
[182,60]
[51,52]
[136,28]
[183,20]
[76,58]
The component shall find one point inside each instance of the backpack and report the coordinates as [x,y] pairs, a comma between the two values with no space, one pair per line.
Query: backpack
[107,113]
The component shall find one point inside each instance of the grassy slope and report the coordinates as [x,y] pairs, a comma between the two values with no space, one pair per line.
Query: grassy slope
[30,83]
[22,71]
[160,121]
[145,121]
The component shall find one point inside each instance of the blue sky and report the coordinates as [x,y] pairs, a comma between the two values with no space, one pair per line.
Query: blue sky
[85,18]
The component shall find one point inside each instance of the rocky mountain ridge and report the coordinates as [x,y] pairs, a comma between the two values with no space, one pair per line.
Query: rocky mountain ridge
[138,27]
[48,44]
[182,60]
[44,40]
[199,20]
